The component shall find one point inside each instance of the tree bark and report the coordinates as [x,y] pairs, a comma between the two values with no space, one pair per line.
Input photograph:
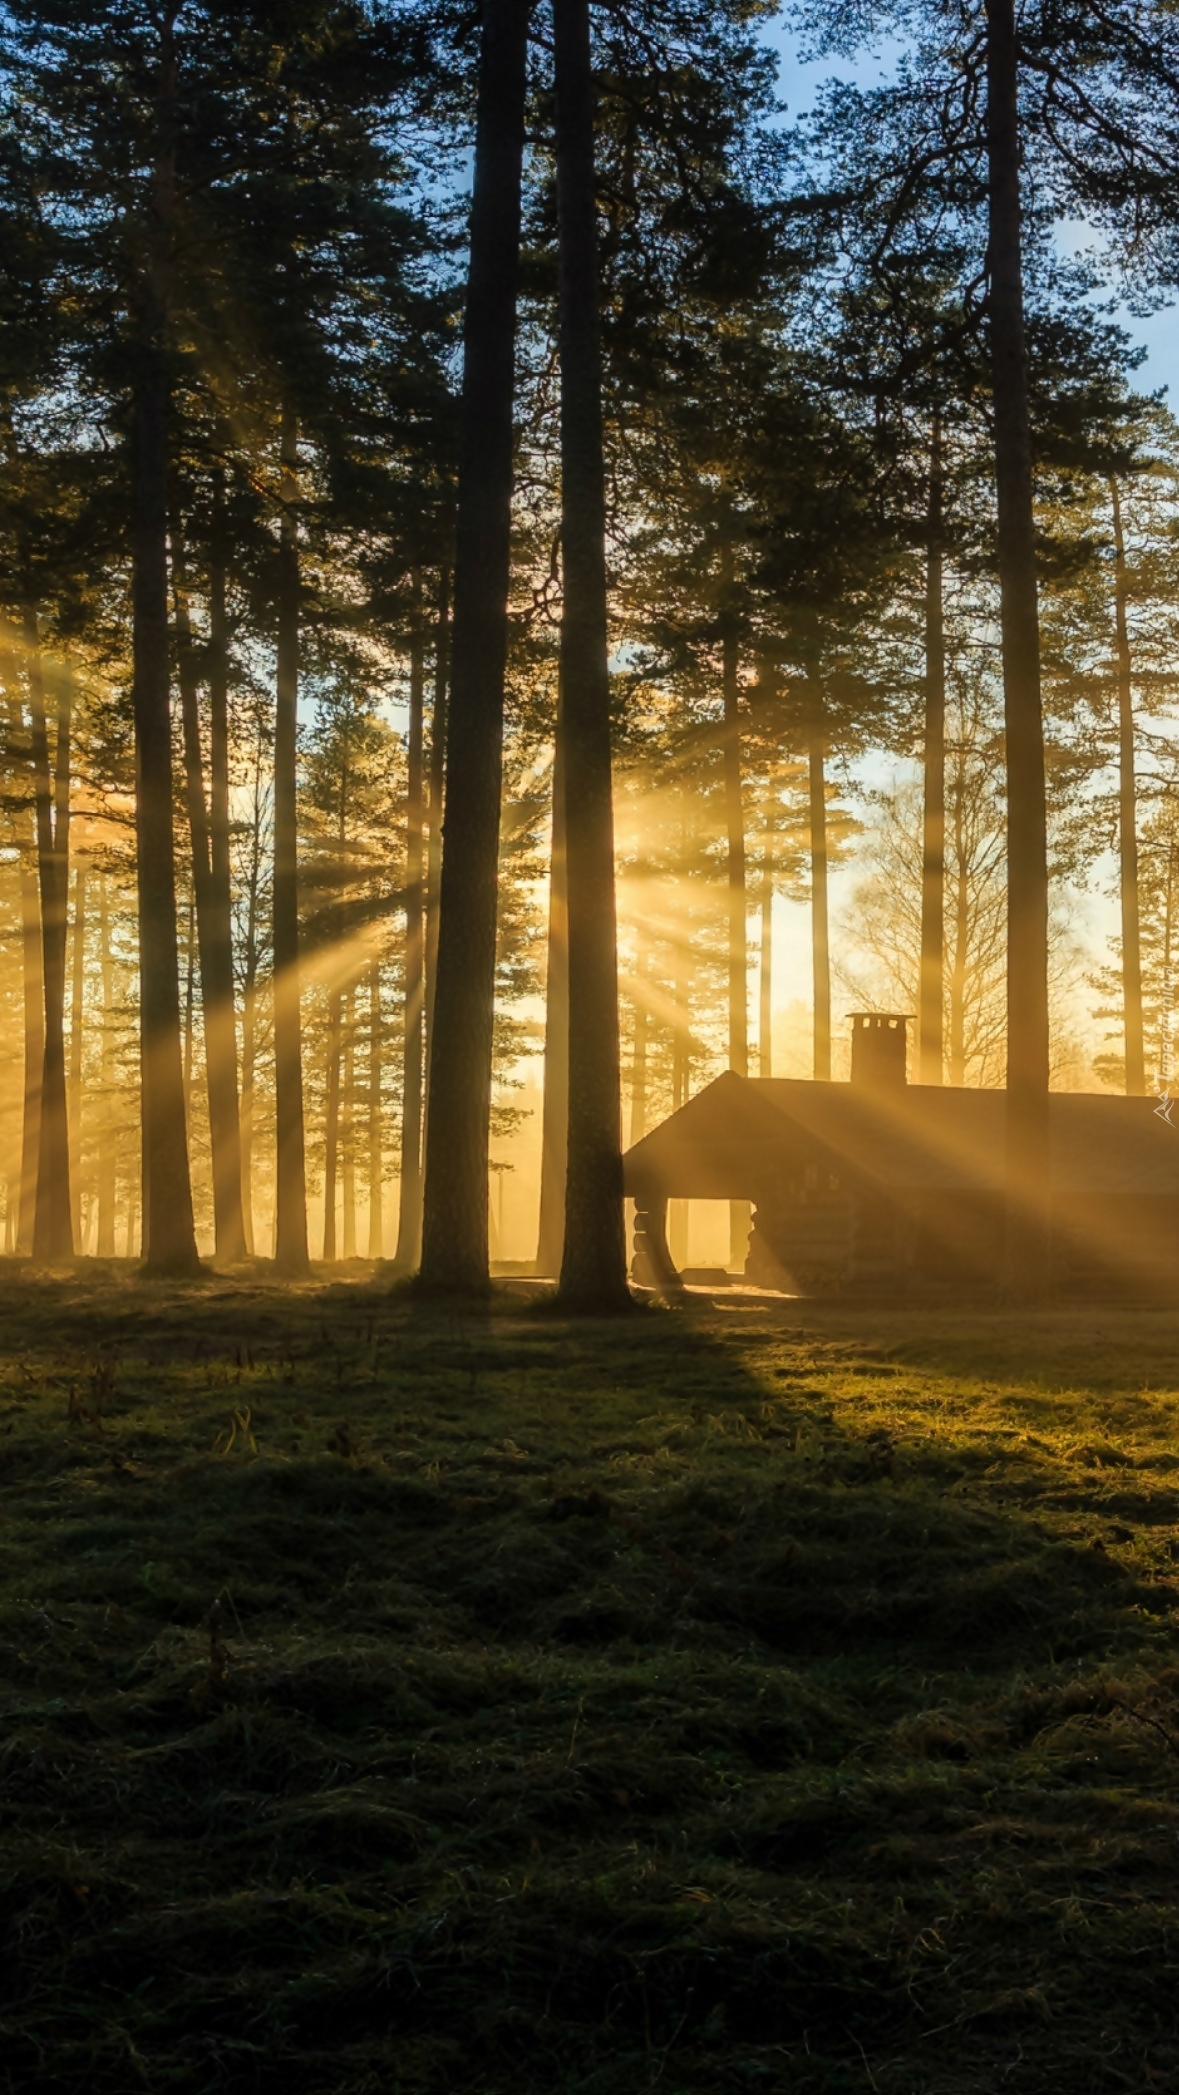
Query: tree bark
[376,1204]
[250,964]
[409,1224]
[348,1126]
[33,979]
[169,1241]
[820,933]
[434,847]
[555,1135]
[593,1262]
[454,1248]
[1127,820]
[248,1092]
[961,937]
[189,1033]
[107,1179]
[765,1010]
[77,1021]
[53,1235]
[739,1210]
[931,986]
[213,903]
[1028,1163]
[734,821]
[681,1066]
[290,1193]
[331,1126]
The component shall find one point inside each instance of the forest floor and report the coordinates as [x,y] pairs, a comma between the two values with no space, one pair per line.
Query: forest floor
[751,1694]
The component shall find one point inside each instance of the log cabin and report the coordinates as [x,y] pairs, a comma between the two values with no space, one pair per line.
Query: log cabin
[877,1184]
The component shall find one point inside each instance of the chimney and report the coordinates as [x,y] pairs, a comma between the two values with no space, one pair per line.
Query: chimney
[879,1041]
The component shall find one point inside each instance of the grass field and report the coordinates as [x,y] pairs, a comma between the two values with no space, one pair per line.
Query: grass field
[753,1694]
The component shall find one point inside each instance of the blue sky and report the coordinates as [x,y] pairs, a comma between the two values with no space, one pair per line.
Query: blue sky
[1158,334]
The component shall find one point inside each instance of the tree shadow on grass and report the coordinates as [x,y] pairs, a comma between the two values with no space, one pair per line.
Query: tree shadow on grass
[597,1707]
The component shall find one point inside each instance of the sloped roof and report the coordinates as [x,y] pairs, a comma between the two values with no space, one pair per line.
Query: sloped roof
[740,1133]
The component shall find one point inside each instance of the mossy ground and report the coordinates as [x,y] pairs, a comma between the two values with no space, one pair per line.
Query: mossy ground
[757,1694]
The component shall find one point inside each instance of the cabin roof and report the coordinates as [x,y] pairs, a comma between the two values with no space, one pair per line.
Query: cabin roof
[740,1135]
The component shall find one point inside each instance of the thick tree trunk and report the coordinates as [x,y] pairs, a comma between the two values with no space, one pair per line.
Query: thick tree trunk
[213,903]
[77,1021]
[331,1124]
[1028,1169]
[739,1210]
[376,1203]
[53,1235]
[189,1032]
[249,1064]
[107,1182]
[454,1248]
[681,1073]
[251,960]
[734,826]
[1127,820]
[348,1127]
[33,984]
[820,933]
[931,986]
[290,1191]
[434,846]
[409,1223]
[593,1262]
[555,1134]
[169,1241]
[765,1008]
[961,940]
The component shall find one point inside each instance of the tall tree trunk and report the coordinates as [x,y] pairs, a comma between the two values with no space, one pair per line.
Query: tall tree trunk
[376,1203]
[251,960]
[437,777]
[739,1210]
[642,1002]
[681,1072]
[555,1131]
[1028,1166]
[290,1192]
[348,1126]
[593,1262]
[820,934]
[53,1235]
[1127,819]
[961,937]
[331,1125]
[107,1183]
[931,987]
[169,1241]
[409,1224]
[248,1093]
[209,837]
[734,821]
[1167,999]
[77,1010]
[454,1246]
[765,1009]
[189,1035]
[33,982]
